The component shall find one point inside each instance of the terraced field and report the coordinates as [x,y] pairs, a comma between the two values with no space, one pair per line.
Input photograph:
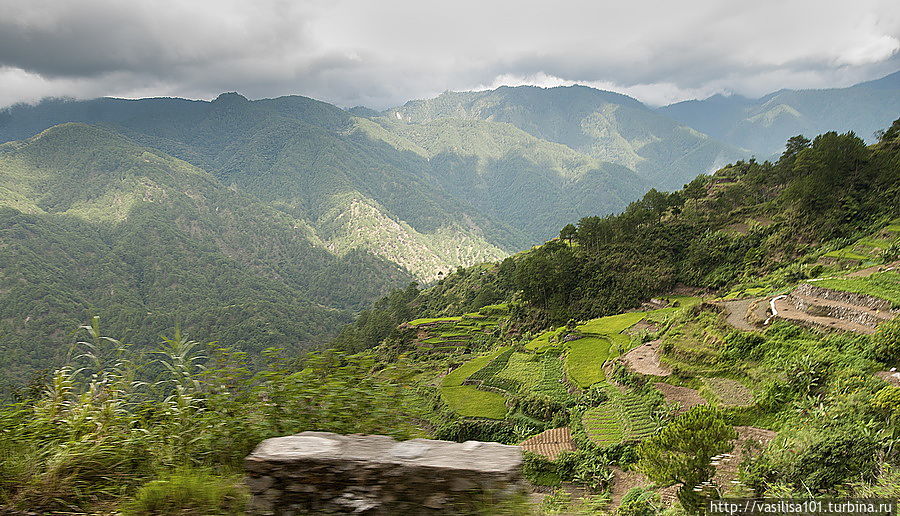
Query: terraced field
[869,249]
[603,424]
[625,417]
[526,368]
[883,285]
[585,358]
[467,400]
[552,384]
[458,332]
[545,341]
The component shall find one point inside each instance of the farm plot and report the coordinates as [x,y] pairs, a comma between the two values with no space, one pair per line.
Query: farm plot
[612,323]
[545,341]
[603,424]
[883,285]
[625,417]
[552,384]
[487,375]
[638,418]
[468,401]
[525,368]
[585,358]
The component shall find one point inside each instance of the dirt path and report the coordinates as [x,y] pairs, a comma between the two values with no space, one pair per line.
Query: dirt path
[868,271]
[736,311]
[750,440]
[883,315]
[891,377]
[624,481]
[644,359]
[787,310]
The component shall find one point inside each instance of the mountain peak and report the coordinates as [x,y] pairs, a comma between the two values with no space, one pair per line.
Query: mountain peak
[231,97]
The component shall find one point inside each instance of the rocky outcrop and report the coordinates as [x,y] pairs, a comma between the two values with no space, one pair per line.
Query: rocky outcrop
[320,472]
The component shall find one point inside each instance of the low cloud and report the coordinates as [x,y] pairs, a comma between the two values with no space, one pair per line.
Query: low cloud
[380,54]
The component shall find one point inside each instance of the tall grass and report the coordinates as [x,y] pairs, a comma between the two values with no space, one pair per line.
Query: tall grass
[115,419]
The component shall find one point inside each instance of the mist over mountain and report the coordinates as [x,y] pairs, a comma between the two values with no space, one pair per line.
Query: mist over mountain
[764,124]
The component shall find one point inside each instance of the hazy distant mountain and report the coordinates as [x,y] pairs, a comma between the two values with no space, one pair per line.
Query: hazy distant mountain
[764,124]
[606,126]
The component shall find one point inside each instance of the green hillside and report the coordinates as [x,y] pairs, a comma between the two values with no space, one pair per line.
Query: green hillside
[628,340]
[93,224]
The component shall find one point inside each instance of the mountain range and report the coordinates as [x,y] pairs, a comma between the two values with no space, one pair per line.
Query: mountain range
[270,222]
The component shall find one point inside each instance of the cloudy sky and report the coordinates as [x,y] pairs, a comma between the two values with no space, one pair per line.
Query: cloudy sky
[380,53]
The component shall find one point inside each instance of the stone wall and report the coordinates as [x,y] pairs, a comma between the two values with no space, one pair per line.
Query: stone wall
[322,473]
[806,289]
[846,313]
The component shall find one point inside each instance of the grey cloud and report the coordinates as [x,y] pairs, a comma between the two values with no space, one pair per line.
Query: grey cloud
[384,53]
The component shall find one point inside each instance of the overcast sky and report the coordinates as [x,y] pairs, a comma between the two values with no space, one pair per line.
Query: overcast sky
[380,53]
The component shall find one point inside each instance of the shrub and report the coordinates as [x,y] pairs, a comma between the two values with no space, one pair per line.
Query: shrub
[886,342]
[189,492]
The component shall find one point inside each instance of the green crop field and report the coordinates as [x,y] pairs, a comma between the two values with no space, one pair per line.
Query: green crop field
[883,285]
[429,320]
[552,384]
[612,323]
[584,360]
[526,368]
[603,424]
[456,377]
[545,340]
[637,415]
[468,401]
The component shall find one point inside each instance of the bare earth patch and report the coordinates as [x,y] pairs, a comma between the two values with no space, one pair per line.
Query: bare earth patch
[891,377]
[684,396]
[731,393]
[642,326]
[739,311]
[644,359]
[550,443]
[624,481]
[868,271]
[787,310]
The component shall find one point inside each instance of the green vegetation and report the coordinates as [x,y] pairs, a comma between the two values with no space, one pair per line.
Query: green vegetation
[497,351]
[469,401]
[168,432]
[681,452]
[884,285]
[585,358]
[196,492]
[604,424]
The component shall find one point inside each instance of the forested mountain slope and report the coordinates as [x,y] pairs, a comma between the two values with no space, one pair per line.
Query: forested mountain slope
[763,124]
[93,224]
[749,222]
[304,158]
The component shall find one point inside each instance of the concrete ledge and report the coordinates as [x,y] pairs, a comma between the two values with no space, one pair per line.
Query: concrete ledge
[321,472]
